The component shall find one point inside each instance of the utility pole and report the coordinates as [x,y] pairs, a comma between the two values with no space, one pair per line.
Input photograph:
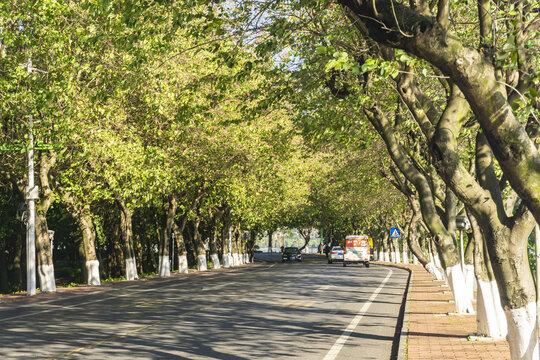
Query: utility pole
[31,196]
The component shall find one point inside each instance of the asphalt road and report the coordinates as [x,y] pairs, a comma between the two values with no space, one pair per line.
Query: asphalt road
[308,310]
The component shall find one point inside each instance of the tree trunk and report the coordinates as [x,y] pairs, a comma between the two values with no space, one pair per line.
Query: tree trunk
[405,250]
[213,247]
[166,235]
[150,260]
[468,266]
[490,316]
[306,234]
[414,245]
[4,288]
[386,249]
[226,239]
[270,241]
[397,255]
[183,266]
[17,263]
[126,228]
[234,243]
[250,246]
[200,250]
[43,241]
[138,253]
[242,247]
[84,219]
[118,253]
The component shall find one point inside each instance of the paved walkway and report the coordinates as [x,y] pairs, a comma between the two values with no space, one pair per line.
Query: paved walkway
[432,334]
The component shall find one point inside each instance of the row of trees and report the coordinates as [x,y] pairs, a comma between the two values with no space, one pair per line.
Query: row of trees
[162,140]
[451,88]
[150,123]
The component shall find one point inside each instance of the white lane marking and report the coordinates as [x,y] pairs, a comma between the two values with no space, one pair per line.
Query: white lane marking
[338,345]
[56,307]
[205,288]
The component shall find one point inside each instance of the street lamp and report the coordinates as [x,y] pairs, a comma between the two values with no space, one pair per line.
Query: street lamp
[462,223]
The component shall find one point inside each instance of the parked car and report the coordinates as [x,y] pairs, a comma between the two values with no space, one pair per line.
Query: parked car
[291,253]
[335,254]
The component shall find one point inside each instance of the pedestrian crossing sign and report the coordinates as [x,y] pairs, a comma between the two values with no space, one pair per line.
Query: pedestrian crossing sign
[395,233]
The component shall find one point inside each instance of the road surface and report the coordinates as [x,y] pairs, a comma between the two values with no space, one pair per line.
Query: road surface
[308,310]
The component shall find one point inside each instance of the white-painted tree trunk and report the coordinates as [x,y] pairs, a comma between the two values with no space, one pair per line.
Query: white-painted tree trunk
[92,269]
[215,261]
[246,259]
[131,269]
[375,255]
[405,257]
[47,281]
[240,259]
[415,260]
[456,281]
[201,263]
[468,273]
[392,256]
[437,261]
[433,261]
[491,319]
[434,271]
[397,257]
[381,255]
[226,260]
[182,264]
[386,256]
[164,265]
[235,260]
[522,332]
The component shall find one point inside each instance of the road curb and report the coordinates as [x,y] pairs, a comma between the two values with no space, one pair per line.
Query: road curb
[404,314]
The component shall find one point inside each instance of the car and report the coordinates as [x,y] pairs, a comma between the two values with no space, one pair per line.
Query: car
[291,253]
[335,254]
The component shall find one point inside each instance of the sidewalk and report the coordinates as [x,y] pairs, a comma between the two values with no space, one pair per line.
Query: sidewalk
[432,334]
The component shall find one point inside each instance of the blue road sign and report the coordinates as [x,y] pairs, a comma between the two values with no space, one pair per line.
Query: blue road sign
[394,232]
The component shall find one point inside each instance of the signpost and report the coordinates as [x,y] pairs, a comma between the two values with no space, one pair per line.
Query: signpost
[395,233]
